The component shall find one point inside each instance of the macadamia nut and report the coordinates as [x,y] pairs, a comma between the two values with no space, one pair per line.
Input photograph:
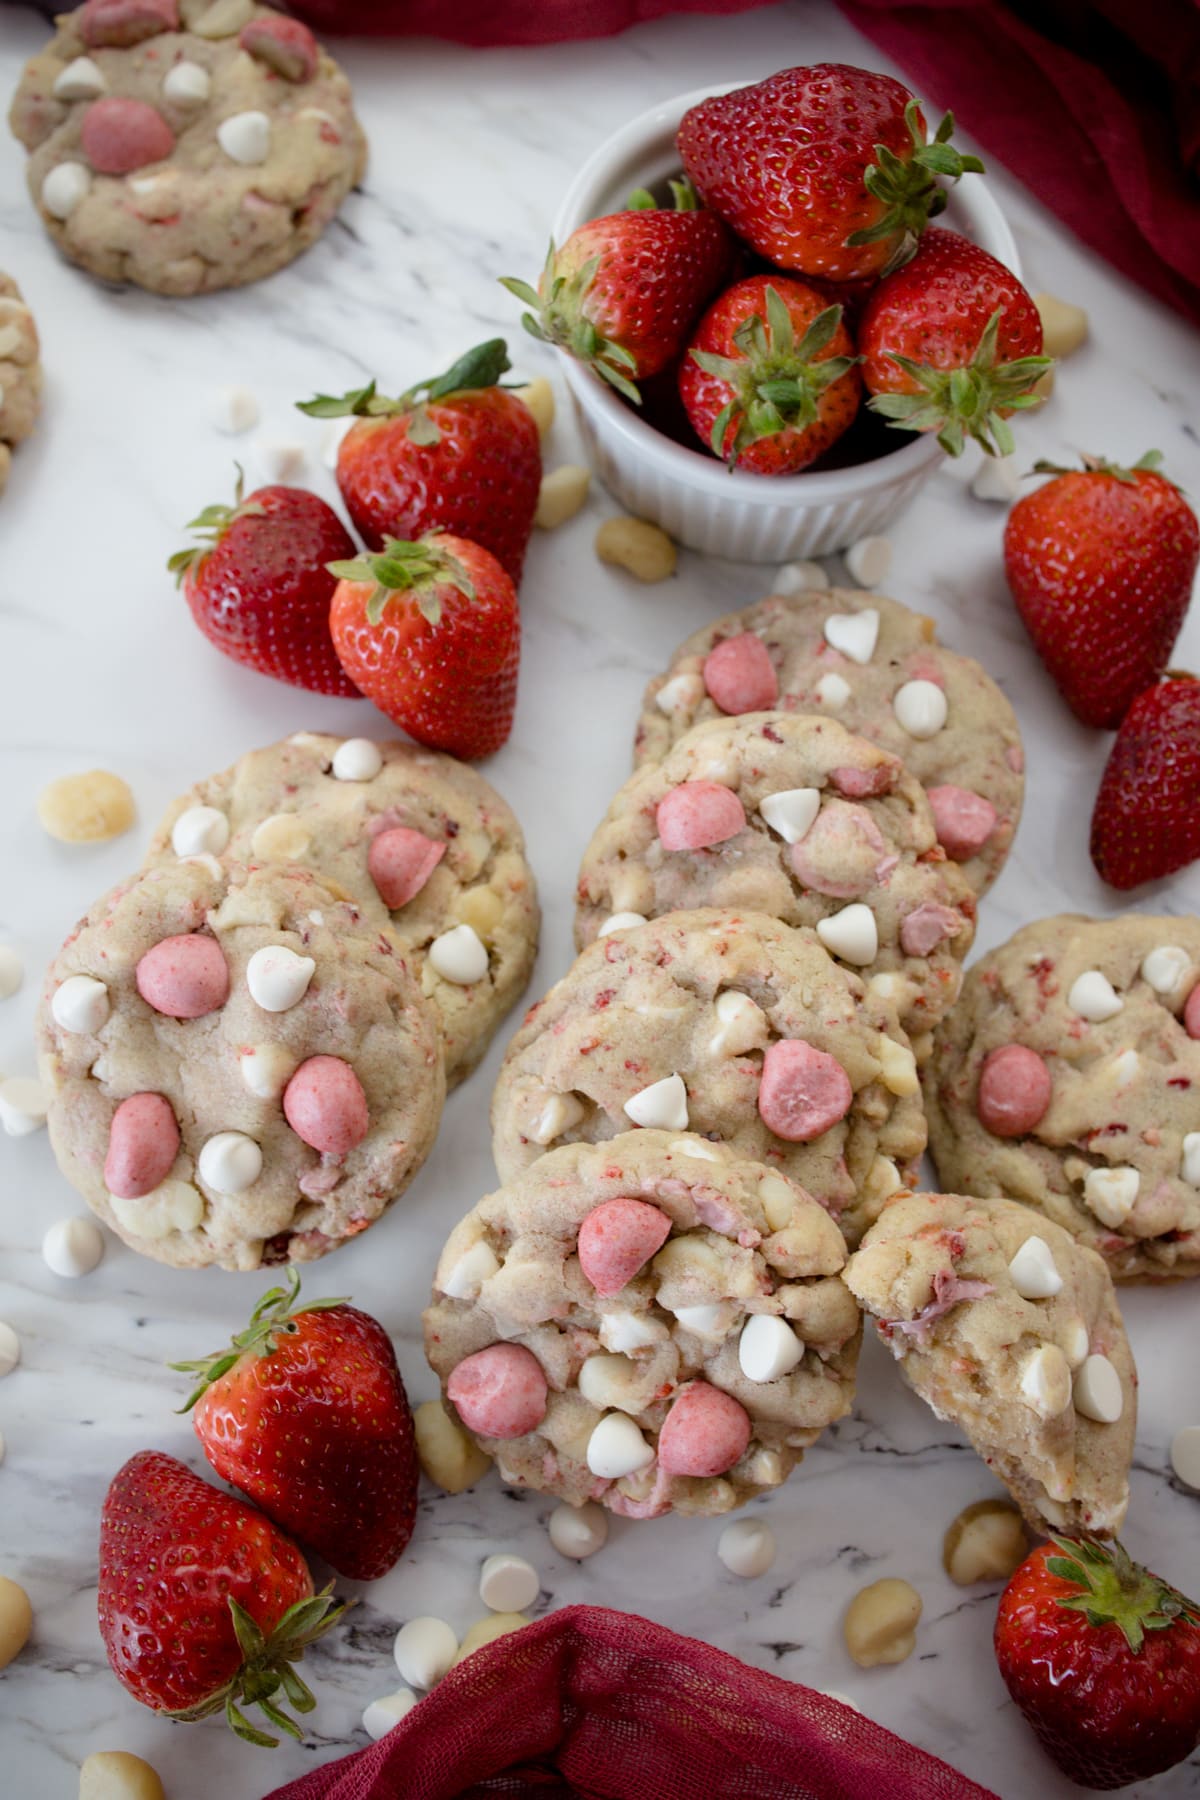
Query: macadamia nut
[486,1631]
[562,493]
[986,1542]
[881,1623]
[448,1456]
[16,1620]
[86,809]
[539,398]
[635,545]
[1064,326]
[118,1775]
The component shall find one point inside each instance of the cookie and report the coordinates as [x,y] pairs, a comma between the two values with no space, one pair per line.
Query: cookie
[185,145]
[414,837]
[242,1071]
[871,663]
[1068,1076]
[652,1322]
[1009,1327]
[20,373]
[791,815]
[732,1026]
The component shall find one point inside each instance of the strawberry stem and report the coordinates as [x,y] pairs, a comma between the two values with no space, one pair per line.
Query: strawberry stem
[274,1316]
[970,401]
[1099,465]
[1114,1590]
[908,189]
[267,1667]
[480,367]
[210,526]
[557,316]
[419,568]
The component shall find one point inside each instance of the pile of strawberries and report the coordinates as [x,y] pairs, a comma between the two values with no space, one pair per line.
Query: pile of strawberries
[794,270]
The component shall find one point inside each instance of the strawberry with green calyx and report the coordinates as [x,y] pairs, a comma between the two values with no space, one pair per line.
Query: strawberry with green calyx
[1103,1659]
[769,381]
[457,453]
[623,292]
[204,1605]
[431,632]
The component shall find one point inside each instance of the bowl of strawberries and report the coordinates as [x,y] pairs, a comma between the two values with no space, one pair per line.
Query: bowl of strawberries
[768,345]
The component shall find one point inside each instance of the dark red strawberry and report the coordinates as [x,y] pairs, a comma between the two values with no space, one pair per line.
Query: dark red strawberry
[1146,821]
[259,587]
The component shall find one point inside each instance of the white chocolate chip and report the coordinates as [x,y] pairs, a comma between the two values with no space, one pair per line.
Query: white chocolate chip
[1125,1067]
[791,812]
[747,1548]
[1046,1381]
[265,1070]
[1098,1393]
[64,187]
[883,1180]
[224,18]
[1092,997]
[10,1349]
[12,971]
[897,1066]
[680,694]
[473,1268]
[617,1448]
[800,578]
[622,921]
[1111,1194]
[869,560]
[459,955]
[854,634]
[1064,325]
[73,1247]
[741,1025]
[605,1381]
[768,1348]
[188,84]
[1076,1342]
[1185,1455]
[200,831]
[380,1716]
[233,410]
[280,459]
[624,1331]
[356,759]
[425,1650]
[230,1162]
[578,1531]
[833,691]
[920,708]
[245,137]
[80,1004]
[24,1103]
[277,978]
[778,1198]
[171,1206]
[280,838]
[1189,1169]
[560,1113]
[707,1321]
[1164,968]
[660,1107]
[1034,1272]
[508,1583]
[562,493]
[765,1468]
[851,934]
[696,1147]
[997,478]
[80,80]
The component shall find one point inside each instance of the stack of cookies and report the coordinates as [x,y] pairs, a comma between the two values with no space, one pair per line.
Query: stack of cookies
[248,1043]
[709,1128]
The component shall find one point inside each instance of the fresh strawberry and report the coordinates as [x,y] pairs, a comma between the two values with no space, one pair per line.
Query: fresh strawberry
[1146,821]
[431,632]
[1101,563]
[952,343]
[1103,1659]
[259,586]
[757,396]
[306,1413]
[823,170]
[458,454]
[623,292]
[204,1604]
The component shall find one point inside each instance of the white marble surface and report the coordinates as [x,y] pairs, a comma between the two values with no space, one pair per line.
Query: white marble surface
[101,666]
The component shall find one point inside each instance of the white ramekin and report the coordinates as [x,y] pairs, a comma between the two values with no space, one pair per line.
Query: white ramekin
[751,518]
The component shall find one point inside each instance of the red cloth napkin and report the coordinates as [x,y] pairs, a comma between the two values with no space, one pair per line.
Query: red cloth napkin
[1096,109]
[483,23]
[589,1704]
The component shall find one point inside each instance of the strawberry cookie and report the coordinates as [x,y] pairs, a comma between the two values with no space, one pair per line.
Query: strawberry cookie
[791,815]
[20,373]
[732,1026]
[1068,1076]
[186,145]
[1006,1325]
[416,839]
[653,1322]
[242,1069]
[879,669]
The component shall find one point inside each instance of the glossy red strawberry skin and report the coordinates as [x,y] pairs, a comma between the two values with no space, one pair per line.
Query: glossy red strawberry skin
[172,1551]
[262,593]
[657,269]
[1101,571]
[1106,1715]
[704,395]
[319,1433]
[480,480]
[1146,821]
[783,163]
[934,310]
[452,685]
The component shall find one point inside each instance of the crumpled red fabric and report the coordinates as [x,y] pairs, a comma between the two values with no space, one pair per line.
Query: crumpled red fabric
[484,23]
[590,1704]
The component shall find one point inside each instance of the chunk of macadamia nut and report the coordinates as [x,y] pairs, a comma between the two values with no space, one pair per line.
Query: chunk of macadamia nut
[447,1455]
[881,1622]
[16,1620]
[118,1775]
[86,809]
[539,398]
[486,1631]
[641,549]
[986,1542]
[562,493]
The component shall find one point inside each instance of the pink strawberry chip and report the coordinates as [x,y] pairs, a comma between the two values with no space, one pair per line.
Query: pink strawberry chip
[143,1142]
[697,815]
[618,1238]
[400,862]
[1014,1091]
[325,1105]
[119,135]
[803,1091]
[841,853]
[705,1432]
[499,1392]
[184,977]
[964,821]
[865,784]
[285,45]
[927,926]
[115,24]
[1191,1013]
[740,676]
